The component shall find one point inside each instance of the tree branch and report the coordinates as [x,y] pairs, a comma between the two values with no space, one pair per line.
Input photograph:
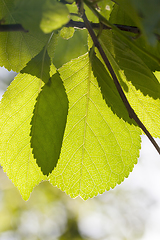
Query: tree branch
[71,23]
[11,28]
[81,25]
[130,110]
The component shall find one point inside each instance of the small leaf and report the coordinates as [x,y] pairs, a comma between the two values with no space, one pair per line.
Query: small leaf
[54,16]
[67,33]
[39,66]
[48,124]
[66,50]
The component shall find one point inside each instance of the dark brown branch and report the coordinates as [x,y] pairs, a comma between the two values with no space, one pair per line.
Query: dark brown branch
[81,25]
[131,29]
[130,110]
[12,28]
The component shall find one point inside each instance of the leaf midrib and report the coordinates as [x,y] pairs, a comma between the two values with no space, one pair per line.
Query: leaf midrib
[85,123]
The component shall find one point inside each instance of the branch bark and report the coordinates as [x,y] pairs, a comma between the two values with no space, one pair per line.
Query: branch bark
[81,25]
[71,23]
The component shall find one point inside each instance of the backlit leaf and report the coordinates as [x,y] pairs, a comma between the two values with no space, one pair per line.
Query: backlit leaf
[99,150]
[16,110]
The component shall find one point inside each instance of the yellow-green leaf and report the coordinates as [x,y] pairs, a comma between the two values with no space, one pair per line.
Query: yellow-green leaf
[16,110]
[99,149]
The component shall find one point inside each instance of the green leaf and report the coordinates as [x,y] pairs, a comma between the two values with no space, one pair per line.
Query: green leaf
[141,87]
[54,16]
[17,48]
[62,51]
[149,54]
[99,150]
[16,110]
[108,89]
[146,15]
[48,124]
[39,66]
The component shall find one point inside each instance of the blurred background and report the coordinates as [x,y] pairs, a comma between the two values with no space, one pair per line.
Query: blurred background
[130,211]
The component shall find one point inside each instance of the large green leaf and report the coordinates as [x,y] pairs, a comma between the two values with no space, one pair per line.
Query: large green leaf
[48,124]
[99,149]
[142,88]
[17,48]
[16,110]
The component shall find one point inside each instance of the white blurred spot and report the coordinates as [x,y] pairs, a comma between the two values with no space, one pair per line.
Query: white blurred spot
[108,7]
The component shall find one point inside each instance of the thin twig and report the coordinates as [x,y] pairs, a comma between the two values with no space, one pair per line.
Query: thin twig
[130,110]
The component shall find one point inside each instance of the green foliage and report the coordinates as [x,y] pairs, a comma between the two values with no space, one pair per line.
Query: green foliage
[141,86]
[62,116]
